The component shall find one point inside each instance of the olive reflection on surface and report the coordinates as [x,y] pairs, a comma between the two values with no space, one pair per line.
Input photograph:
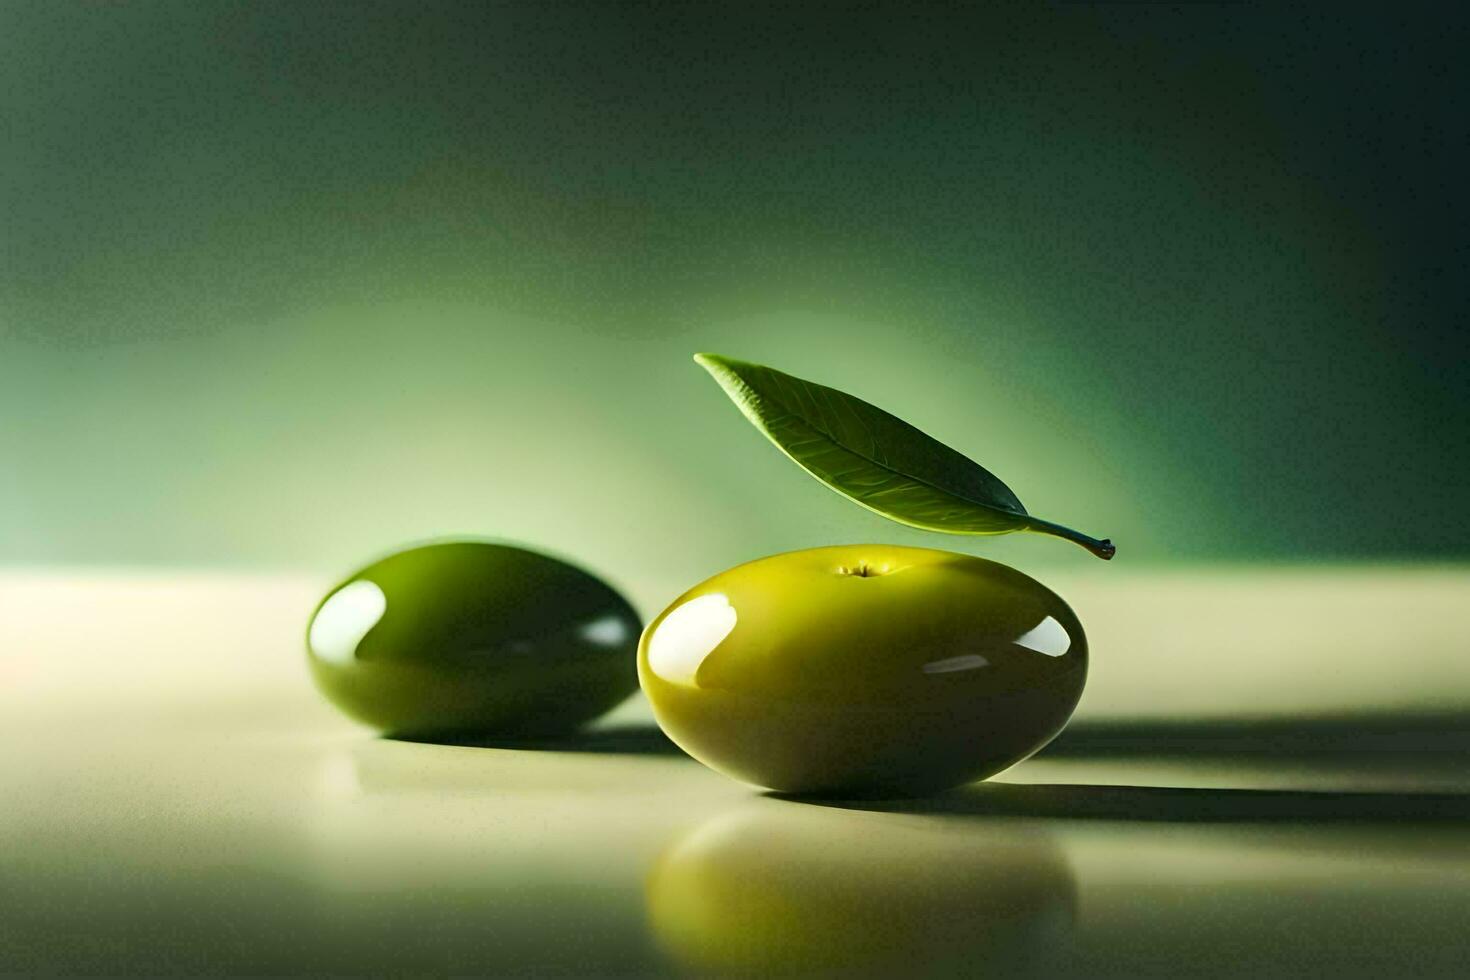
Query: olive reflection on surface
[785,888]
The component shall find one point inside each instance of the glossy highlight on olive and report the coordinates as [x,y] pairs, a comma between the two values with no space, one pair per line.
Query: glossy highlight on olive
[473,638]
[864,670]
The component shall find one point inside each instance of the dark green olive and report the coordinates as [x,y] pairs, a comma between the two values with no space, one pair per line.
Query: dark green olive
[470,637]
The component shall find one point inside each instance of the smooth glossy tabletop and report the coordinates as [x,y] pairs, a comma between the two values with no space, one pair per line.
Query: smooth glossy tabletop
[178,799]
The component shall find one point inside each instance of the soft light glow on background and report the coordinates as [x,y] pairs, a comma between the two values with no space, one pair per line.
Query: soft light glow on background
[291,284]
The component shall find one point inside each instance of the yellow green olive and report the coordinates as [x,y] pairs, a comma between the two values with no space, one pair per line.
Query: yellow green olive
[864,670]
[470,637]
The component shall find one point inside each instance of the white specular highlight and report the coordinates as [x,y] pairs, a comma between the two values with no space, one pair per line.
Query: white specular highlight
[688,635]
[606,631]
[968,661]
[1048,636]
[344,619]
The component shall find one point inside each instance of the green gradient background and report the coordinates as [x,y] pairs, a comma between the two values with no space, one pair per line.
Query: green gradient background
[290,284]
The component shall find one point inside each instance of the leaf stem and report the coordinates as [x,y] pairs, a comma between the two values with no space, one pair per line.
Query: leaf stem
[1104,548]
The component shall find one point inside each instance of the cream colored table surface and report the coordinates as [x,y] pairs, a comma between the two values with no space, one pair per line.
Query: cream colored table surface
[1268,777]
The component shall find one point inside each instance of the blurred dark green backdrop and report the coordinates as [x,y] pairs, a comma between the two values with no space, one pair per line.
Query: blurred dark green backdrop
[291,283]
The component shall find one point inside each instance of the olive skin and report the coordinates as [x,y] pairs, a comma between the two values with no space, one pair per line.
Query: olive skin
[473,638]
[864,670]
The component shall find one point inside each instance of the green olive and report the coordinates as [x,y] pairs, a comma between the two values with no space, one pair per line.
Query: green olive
[864,670]
[469,637]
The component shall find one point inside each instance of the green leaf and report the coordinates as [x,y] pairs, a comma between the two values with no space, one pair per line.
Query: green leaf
[876,459]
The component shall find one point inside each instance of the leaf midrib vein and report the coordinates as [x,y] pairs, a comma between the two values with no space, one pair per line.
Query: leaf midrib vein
[824,434]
